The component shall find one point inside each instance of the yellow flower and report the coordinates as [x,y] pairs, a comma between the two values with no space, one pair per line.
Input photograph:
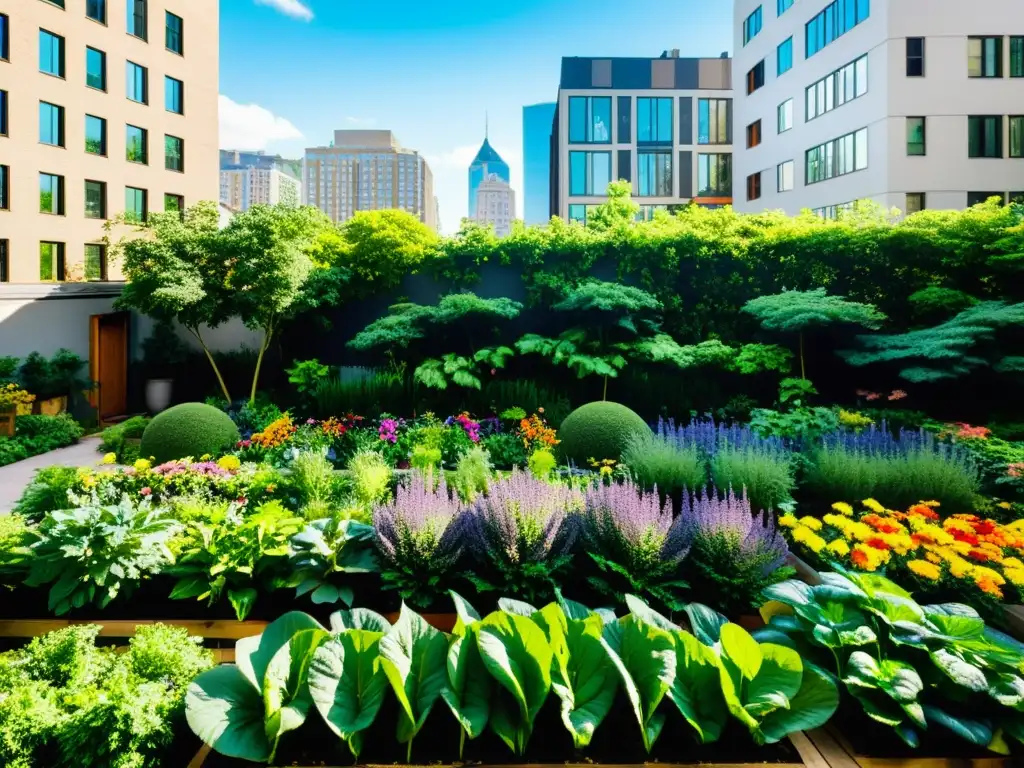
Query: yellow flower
[811,522]
[981,572]
[843,508]
[924,569]
[1015,576]
[808,538]
[109,458]
[230,463]
[868,558]
[1013,563]
[142,465]
[960,568]
[931,504]
[874,506]
[789,520]
[1004,505]
[838,547]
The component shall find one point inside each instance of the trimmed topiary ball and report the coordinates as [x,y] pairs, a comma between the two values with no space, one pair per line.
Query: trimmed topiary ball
[599,431]
[189,429]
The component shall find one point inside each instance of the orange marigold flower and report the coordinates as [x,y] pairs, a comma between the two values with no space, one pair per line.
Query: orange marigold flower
[989,587]
[923,510]
[878,543]
[860,558]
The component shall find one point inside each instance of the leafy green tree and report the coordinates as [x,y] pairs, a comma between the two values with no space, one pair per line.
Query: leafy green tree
[801,311]
[617,212]
[428,334]
[175,270]
[975,338]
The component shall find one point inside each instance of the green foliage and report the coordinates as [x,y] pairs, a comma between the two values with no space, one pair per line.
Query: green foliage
[36,435]
[542,463]
[189,429]
[473,473]
[653,460]
[935,304]
[58,376]
[798,424]
[306,375]
[117,439]
[959,346]
[312,477]
[47,491]
[326,549]
[372,391]
[16,535]
[371,477]
[764,475]
[618,212]
[525,395]
[599,430]
[792,311]
[755,358]
[506,450]
[461,371]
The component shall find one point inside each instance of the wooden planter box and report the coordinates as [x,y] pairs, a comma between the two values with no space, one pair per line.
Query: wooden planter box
[836,752]
[7,423]
[51,406]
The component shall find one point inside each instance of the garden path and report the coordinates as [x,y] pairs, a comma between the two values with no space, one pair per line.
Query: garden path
[14,477]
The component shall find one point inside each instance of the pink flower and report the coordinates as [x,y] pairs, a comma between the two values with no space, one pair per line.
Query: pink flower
[311,422]
[897,394]
[872,396]
[862,393]
[494,371]
[146,491]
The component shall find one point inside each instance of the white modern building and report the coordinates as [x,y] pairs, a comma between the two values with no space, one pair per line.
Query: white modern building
[495,205]
[664,124]
[911,103]
[242,188]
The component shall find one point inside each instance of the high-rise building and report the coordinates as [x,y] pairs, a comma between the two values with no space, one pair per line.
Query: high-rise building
[495,205]
[242,188]
[487,163]
[663,124]
[235,159]
[537,120]
[911,103]
[93,123]
[368,171]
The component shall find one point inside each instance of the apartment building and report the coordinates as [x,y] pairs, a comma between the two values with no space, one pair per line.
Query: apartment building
[106,106]
[911,103]
[242,188]
[368,171]
[664,124]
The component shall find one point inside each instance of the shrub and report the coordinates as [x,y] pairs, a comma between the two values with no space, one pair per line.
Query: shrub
[654,460]
[189,429]
[115,439]
[764,475]
[472,474]
[371,477]
[599,430]
[47,492]
[506,450]
[313,480]
[836,473]
[36,435]
[946,476]
[542,463]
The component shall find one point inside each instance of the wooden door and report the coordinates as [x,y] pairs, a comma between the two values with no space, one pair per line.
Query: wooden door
[108,364]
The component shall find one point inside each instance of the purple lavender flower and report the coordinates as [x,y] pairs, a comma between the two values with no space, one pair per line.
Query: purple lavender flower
[633,529]
[880,441]
[708,517]
[422,527]
[711,436]
[523,520]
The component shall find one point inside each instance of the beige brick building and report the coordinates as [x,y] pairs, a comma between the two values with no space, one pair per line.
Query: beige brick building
[105,106]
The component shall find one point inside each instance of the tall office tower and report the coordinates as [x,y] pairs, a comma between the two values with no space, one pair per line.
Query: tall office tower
[911,103]
[242,188]
[93,123]
[234,159]
[495,205]
[487,163]
[537,120]
[368,171]
[663,124]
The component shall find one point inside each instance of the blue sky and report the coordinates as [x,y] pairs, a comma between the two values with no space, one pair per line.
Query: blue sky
[292,71]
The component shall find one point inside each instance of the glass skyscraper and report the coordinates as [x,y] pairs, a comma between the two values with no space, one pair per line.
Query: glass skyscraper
[486,163]
[537,120]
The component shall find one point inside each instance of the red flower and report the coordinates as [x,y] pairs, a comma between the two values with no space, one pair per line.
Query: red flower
[970,538]
[920,510]
[984,528]
[979,555]
[878,544]
[858,558]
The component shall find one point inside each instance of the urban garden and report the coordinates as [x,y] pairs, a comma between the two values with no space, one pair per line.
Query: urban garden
[709,488]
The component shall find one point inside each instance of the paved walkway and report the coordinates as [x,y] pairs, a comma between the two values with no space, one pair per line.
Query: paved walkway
[14,477]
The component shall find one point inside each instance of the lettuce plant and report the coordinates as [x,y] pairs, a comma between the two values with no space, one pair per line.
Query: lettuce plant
[326,548]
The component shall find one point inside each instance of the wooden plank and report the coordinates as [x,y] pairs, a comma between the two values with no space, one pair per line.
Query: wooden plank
[936,762]
[211,629]
[200,758]
[808,751]
[804,572]
[830,748]
[1015,620]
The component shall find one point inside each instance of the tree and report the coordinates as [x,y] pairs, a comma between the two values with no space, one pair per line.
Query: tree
[267,249]
[800,311]
[459,322]
[971,340]
[175,270]
[618,211]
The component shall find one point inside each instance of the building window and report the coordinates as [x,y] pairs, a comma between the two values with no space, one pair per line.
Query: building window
[51,53]
[654,121]
[174,154]
[784,53]
[713,116]
[174,95]
[754,186]
[915,57]
[5,262]
[784,173]
[96,69]
[175,36]
[915,202]
[714,175]
[3,113]
[977,198]
[838,18]
[838,157]
[915,136]
[96,10]
[95,135]
[847,83]
[984,57]
[51,194]
[985,136]
[590,173]
[782,6]
[654,174]
[755,77]
[137,19]
[754,134]
[752,25]
[1017,57]
[590,119]
[137,145]
[578,212]
[174,204]
[95,262]
[137,83]
[51,124]
[5,38]
[51,262]
[135,204]
[5,186]
[95,200]
[1016,136]
[785,115]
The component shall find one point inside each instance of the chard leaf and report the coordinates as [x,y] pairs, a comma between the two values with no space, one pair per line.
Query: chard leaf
[225,711]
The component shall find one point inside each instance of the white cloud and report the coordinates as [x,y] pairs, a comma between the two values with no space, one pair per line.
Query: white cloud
[294,8]
[250,126]
[451,180]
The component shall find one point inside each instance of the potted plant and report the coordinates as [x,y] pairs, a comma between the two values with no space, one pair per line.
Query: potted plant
[13,400]
[53,381]
[162,353]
